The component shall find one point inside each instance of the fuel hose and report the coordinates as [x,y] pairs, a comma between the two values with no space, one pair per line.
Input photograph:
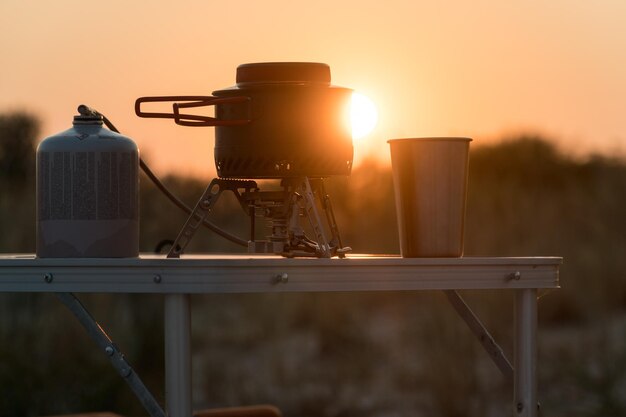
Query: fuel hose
[86,110]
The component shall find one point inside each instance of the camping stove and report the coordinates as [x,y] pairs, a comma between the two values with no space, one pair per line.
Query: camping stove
[282,121]
[283,210]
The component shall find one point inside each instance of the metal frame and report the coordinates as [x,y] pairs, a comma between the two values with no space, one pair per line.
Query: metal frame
[116,357]
[178,278]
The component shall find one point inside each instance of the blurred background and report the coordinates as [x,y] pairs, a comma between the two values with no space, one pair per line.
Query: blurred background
[538,86]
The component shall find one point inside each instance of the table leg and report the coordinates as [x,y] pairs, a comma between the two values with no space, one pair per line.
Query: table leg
[119,362]
[525,389]
[489,344]
[178,355]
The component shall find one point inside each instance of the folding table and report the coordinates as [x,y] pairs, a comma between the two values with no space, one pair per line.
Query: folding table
[178,279]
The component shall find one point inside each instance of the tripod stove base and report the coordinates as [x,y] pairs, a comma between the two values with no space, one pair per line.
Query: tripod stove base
[283,210]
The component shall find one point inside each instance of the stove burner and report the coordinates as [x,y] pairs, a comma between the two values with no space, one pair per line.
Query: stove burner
[282,210]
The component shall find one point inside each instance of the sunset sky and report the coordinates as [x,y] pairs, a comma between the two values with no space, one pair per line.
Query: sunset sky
[476,68]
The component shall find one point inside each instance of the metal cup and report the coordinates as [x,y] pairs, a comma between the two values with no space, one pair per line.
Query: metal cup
[430,184]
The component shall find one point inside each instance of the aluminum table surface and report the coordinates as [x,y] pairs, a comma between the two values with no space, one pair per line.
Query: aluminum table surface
[259,273]
[206,274]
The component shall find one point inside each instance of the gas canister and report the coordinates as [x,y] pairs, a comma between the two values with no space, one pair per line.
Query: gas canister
[87,193]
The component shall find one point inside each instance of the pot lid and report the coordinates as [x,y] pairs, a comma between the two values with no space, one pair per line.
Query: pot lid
[283,73]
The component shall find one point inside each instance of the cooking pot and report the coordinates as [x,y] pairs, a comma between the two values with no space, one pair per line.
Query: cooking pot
[281,119]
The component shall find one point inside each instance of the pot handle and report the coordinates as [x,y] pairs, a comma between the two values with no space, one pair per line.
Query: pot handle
[188,102]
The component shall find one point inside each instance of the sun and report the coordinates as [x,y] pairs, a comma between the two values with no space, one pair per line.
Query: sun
[363,115]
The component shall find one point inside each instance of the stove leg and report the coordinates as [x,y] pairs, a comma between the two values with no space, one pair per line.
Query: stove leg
[525,389]
[178,355]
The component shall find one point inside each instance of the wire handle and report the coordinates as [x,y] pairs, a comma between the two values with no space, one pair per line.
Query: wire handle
[183,102]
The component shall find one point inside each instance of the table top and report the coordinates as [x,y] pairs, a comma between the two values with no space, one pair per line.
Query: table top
[248,273]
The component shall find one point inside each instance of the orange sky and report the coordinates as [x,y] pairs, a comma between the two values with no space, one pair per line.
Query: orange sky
[469,68]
